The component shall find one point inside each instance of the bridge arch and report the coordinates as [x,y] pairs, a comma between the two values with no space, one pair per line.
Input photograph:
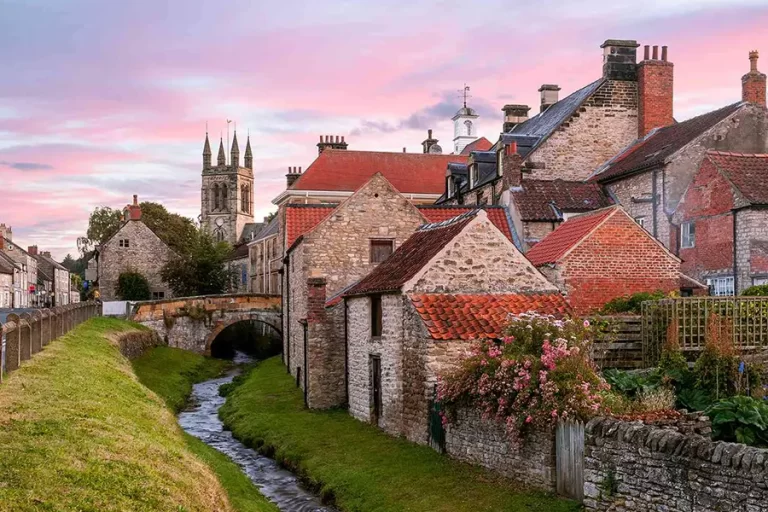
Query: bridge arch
[221,326]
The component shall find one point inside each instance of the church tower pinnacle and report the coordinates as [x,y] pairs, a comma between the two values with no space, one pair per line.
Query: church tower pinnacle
[235,153]
[207,153]
[464,130]
[222,158]
[248,154]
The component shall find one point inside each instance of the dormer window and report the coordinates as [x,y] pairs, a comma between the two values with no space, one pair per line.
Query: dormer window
[450,187]
[474,175]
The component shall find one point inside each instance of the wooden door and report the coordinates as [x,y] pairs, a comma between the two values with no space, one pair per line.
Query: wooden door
[376,389]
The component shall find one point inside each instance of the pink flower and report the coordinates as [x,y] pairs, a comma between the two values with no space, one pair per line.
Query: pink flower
[586,323]
[528,419]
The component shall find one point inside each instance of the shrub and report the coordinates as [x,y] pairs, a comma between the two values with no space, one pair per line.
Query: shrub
[740,418]
[631,384]
[132,285]
[630,304]
[539,372]
[760,290]
[716,369]
[659,399]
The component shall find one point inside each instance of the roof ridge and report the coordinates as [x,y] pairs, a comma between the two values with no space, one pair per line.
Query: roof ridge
[734,153]
[449,222]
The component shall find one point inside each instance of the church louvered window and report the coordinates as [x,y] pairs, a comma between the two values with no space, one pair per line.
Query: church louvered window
[224,205]
[215,193]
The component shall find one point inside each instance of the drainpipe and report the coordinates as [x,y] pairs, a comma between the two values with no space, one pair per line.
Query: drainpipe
[735,252]
[346,353]
[287,296]
[654,203]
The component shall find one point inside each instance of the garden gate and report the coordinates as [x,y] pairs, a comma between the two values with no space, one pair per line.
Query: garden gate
[569,459]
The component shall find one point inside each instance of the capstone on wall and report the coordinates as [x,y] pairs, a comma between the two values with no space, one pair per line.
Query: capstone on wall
[145,254]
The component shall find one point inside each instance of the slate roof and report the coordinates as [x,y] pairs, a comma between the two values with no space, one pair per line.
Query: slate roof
[239,252]
[496,214]
[251,229]
[538,128]
[567,235]
[465,317]
[747,172]
[546,200]
[268,229]
[409,173]
[487,172]
[652,150]
[411,257]
[6,264]
[481,144]
[301,218]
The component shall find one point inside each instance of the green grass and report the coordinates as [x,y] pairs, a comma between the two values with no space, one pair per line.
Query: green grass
[170,373]
[78,432]
[358,466]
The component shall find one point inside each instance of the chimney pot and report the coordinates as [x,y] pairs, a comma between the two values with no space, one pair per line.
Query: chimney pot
[342,138]
[321,138]
[664,53]
[403,150]
[299,170]
[135,200]
[429,133]
[647,52]
[32,249]
[655,52]
[655,80]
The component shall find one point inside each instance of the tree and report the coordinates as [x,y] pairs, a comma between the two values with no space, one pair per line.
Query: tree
[202,270]
[132,285]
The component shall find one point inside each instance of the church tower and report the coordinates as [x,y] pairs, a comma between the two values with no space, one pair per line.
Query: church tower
[226,196]
[464,129]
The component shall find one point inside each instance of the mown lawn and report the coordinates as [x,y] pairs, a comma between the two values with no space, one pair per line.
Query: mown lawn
[361,468]
[78,432]
[170,373]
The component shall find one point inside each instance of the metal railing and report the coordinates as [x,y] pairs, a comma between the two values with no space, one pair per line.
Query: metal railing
[25,334]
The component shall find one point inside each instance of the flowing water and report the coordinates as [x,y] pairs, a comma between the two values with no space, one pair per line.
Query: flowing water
[201,419]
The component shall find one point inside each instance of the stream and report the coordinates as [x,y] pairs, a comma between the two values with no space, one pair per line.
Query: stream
[201,419]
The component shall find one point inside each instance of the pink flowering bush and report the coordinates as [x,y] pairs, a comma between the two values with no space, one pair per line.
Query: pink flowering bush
[539,372]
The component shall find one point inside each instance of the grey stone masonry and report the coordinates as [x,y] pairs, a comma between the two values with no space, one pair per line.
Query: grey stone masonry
[632,466]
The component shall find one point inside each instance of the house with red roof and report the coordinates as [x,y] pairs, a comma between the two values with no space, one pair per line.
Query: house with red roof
[451,283]
[602,255]
[723,222]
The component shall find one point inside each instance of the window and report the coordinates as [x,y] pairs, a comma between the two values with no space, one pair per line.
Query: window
[640,221]
[376,315]
[758,281]
[687,235]
[243,274]
[473,175]
[381,249]
[449,186]
[215,192]
[720,286]
[158,295]
[124,242]
[468,125]
[224,205]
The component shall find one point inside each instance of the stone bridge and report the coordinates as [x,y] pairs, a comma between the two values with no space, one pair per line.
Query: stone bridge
[192,323]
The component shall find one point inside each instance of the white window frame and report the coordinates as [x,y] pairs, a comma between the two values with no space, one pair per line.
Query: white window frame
[759,281]
[640,221]
[722,286]
[450,185]
[474,175]
[687,235]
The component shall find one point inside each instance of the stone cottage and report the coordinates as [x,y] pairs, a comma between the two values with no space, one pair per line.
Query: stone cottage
[134,247]
[601,255]
[417,313]
[8,270]
[265,260]
[26,280]
[58,291]
[724,224]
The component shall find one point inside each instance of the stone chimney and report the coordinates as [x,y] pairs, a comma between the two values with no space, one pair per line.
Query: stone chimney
[753,83]
[620,59]
[6,232]
[654,91]
[428,142]
[47,254]
[294,173]
[134,210]
[549,95]
[330,142]
[32,249]
[511,164]
[514,115]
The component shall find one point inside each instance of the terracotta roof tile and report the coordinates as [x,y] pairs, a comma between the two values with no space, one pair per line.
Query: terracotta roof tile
[481,144]
[567,235]
[496,214]
[409,173]
[748,173]
[301,218]
[540,200]
[452,317]
[659,144]
[410,257]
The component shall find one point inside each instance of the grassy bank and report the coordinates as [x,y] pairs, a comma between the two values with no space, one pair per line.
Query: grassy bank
[363,469]
[78,432]
[170,373]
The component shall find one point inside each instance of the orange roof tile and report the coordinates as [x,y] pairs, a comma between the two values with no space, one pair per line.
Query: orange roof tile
[481,144]
[567,235]
[496,214]
[409,173]
[301,218]
[452,317]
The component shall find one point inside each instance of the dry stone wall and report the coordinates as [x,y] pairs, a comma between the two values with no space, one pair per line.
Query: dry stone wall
[133,344]
[631,466]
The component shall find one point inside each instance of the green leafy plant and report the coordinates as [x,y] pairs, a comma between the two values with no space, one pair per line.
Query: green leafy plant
[760,290]
[742,419]
[631,383]
[132,285]
[693,399]
[630,304]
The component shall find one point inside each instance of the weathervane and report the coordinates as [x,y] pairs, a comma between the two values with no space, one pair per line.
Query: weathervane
[465,94]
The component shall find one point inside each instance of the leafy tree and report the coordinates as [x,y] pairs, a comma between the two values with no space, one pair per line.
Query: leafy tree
[132,285]
[758,290]
[102,224]
[202,270]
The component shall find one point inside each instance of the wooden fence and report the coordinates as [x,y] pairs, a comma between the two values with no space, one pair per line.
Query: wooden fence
[26,334]
[618,341]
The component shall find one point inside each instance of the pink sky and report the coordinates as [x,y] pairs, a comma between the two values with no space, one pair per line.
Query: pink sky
[98,101]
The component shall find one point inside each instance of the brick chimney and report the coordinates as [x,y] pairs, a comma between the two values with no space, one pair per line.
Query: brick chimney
[316,299]
[428,142]
[330,142]
[2,243]
[514,115]
[6,232]
[294,173]
[620,59]
[753,83]
[654,91]
[32,249]
[511,164]
[549,95]
[134,210]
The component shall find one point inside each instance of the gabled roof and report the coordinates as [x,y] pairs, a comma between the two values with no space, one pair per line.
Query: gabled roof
[496,214]
[481,144]
[344,170]
[465,317]
[7,265]
[251,229]
[302,218]
[661,143]
[747,172]
[269,229]
[567,235]
[412,256]
[546,200]
[49,262]
[537,129]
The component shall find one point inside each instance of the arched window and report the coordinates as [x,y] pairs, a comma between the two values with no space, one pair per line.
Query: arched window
[224,204]
[468,124]
[215,193]
[247,199]
[243,205]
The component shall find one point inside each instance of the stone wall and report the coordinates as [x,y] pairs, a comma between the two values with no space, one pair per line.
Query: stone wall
[751,238]
[145,254]
[133,344]
[631,466]
[484,442]
[295,311]
[608,116]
